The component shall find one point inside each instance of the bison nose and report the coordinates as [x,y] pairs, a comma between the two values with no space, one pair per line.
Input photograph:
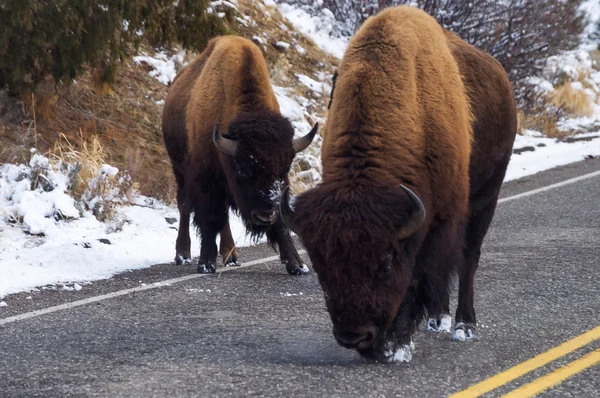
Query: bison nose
[264,217]
[362,337]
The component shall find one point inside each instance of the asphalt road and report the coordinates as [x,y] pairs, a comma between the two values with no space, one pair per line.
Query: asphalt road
[256,331]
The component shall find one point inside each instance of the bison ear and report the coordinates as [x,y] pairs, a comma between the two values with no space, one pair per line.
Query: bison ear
[286,212]
[302,143]
[223,144]
[416,217]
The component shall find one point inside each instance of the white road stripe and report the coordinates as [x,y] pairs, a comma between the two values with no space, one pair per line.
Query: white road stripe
[156,285]
[95,299]
[549,187]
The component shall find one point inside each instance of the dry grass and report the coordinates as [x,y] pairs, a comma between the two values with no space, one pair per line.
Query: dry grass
[572,101]
[545,122]
[85,117]
[99,191]
[87,159]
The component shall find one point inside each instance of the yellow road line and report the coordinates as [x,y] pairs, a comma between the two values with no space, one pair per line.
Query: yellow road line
[523,368]
[556,377]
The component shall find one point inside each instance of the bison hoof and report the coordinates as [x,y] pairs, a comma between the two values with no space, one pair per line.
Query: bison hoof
[206,269]
[395,353]
[464,332]
[441,324]
[294,269]
[180,260]
[233,263]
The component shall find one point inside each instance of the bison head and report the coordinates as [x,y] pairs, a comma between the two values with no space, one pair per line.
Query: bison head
[259,149]
[362,243]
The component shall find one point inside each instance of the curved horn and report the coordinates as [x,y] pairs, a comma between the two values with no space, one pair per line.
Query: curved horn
[302,143]
[223,144]
[287,214]
[416,217]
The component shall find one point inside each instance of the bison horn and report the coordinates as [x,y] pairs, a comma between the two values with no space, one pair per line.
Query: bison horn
[287,214]
[302,143]
[415,219]
[223,144]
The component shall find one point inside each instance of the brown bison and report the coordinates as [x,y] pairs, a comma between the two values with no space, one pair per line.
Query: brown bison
[230,149]
[416,145]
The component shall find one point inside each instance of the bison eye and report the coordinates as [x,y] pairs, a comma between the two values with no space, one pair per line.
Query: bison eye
[384,272]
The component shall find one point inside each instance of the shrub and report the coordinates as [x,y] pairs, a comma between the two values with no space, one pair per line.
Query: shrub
[521,34]
[63,37]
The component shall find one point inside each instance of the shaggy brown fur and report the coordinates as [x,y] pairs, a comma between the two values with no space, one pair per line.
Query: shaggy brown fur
[495,127]
[401,114]
[228,84]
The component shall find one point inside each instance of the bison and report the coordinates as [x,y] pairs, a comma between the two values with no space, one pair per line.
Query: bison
[230,148]
[415,149]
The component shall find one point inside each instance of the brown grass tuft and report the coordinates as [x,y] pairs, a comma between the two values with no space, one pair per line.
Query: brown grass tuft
[545,122]
[88,157]
[574,102]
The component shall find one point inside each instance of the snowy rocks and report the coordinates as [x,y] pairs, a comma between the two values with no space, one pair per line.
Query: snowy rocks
[258,40]
[282,46]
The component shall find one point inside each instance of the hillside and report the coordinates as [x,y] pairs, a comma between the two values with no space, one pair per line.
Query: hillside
[125,118]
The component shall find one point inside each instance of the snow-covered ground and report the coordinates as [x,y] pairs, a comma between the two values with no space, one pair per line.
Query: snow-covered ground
[319,28]
[46,237]
[542,153]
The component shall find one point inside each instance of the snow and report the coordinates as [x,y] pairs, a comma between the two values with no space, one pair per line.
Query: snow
[592,9]
[164,67]
[319,28]
[319,88]
[552,153]
[445,324]
[463,333]
[282,45]
[403,353]
[258,40]
[69,251]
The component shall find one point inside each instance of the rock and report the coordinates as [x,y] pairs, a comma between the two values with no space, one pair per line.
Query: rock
[519,151]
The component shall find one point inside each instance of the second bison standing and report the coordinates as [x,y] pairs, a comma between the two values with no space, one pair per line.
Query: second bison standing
[227,89]
[415,149]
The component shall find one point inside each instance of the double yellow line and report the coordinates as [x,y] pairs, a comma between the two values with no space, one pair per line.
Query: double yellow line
[547,381]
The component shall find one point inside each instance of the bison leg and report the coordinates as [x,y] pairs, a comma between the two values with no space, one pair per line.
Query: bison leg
[440,321]
[397,344]
[211,218]
[228,251]
[435,267]
[279,234]
[182,245]
[465,312]
[483,206]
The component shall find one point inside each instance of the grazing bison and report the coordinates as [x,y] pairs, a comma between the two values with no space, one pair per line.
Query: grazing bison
[230,149]
[416,145]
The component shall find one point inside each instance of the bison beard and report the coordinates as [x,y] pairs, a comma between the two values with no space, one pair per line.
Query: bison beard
[413,105]
[230,149]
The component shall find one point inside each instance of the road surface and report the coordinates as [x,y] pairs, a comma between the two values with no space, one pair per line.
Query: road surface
[255,331]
